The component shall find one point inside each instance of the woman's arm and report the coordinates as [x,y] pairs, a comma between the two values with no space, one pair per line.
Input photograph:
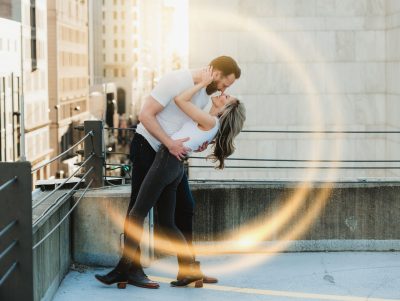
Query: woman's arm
[183,101]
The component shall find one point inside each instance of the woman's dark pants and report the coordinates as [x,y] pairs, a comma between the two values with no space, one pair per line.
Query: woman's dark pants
[168,185]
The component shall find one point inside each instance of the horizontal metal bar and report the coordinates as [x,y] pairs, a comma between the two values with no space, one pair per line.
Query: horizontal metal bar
[62,220]
[303,160]
[301,167]
[63,197]
[8,183]
[117,153]
[8,249]
[114,168]
[7,228]
[63,183]
[9,271]
[123,129]
[321,132]
[63,153]
[288,131]
[116,164]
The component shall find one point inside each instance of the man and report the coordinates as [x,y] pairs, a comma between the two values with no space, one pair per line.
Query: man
[159,119]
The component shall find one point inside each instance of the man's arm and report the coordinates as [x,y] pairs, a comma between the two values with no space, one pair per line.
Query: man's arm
[147,117]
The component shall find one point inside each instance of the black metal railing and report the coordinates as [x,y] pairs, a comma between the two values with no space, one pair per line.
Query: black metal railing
[89,134]
[63,219]
[292,162]
[16,227]
[86,177]
[100,164]
[65,182]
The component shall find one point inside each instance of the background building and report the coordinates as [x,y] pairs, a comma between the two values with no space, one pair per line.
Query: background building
[29,89]
[131,47]
[162,45]
[68,71]
[35,85]
[307,65]
[10,83]
[116,28]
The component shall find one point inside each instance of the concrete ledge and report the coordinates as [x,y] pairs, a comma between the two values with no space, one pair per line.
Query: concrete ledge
[97,225]
[350,211]
[354,217]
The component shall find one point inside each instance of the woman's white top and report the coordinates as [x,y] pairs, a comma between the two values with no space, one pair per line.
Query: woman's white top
[197,136]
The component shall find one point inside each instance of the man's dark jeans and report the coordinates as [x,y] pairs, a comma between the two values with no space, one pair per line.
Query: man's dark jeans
[142,156]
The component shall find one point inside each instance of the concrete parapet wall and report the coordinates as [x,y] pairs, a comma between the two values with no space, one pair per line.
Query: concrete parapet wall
[98,227]
[351,211]
[354,216]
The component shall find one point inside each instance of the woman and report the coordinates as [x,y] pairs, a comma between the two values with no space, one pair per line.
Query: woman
[166,172]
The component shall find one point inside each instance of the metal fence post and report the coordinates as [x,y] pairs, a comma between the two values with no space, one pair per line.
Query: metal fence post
[16,258]
[95,145]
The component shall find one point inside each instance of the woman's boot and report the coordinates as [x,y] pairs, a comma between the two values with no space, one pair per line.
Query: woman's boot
[206,279]
[188,274]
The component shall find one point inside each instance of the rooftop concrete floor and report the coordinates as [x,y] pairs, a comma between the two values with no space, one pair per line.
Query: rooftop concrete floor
[287,276]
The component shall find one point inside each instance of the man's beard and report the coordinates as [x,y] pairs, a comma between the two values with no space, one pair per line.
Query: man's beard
[212,88]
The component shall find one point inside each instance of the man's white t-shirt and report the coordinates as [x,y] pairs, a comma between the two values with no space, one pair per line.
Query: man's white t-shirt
[171,118]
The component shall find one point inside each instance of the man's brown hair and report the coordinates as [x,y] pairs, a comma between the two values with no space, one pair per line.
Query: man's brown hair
[226,65]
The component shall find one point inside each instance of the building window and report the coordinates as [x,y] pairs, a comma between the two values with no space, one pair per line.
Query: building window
[123,57]
[123,72]
[104,72]
[115,43]
[115,57]
[115,15]
[33,35]
[115,29]
[115,72]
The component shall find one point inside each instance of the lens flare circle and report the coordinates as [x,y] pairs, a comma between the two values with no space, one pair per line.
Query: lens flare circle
[255,233]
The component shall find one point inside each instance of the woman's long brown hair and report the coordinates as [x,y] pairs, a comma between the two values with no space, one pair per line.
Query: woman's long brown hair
[231,123]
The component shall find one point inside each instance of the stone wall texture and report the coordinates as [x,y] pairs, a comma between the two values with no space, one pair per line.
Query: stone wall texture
[306,65]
